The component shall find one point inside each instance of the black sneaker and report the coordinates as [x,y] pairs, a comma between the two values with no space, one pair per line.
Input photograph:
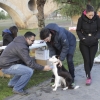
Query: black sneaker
[73,84]
[21,93]
[10,86]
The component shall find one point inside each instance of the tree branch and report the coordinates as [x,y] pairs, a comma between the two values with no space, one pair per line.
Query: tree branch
[73,3]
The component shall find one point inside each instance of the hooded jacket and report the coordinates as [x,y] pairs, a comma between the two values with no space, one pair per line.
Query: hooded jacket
[86,26]
[7,37]
[64,41]
[17,52]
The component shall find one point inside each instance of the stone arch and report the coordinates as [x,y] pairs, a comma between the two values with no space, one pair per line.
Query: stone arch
[24,12]
[16,15]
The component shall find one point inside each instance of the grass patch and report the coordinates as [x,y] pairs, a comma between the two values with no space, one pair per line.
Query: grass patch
[38,76]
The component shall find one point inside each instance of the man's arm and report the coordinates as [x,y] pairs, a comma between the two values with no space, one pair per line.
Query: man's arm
[97,36]
[23,54]
[79,29]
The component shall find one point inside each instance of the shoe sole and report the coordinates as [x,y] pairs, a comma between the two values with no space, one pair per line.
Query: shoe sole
[10,86]
[88,84]
[15,92]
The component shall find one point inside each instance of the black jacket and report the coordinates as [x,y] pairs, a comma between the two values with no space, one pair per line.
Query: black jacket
[18,52]
[7,37]
[86,26]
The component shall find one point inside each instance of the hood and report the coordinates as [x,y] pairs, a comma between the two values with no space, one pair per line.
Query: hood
[6,31]
[86,19]
[53,26]
[20,39]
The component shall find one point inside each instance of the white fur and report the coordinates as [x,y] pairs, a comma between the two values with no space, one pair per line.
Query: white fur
[76,87]
[58,79]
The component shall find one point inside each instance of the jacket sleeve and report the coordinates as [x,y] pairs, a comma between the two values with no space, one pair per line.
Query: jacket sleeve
[79,29]
[23,53]
[98,28]
[65,46]
[51,50]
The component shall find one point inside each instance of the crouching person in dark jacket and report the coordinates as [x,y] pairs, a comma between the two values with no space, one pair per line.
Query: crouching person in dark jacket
[60,42]
[15,60]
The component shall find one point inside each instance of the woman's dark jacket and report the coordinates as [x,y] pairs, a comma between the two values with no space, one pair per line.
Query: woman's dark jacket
[88,29]
[7,37]
[64,41]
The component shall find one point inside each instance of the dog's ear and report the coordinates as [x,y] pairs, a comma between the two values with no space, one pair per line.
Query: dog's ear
[57,56]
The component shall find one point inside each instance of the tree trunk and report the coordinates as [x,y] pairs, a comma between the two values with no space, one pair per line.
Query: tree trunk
[89,1]
[40,15]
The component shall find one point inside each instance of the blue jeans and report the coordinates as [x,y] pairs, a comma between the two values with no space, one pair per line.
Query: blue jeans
[22,75]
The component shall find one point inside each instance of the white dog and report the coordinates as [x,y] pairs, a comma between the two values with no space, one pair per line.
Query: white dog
[62,76]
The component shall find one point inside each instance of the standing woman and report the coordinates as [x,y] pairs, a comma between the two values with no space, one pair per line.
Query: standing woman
[88,31]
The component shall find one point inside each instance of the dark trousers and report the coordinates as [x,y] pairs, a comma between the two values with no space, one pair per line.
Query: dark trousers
[69,58]
[88,54]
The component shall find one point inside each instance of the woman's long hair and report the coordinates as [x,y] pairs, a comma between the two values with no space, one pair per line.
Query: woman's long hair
[14,31]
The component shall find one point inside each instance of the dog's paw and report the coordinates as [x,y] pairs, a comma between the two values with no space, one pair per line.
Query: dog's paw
[76,87]
[65,88]
[54,89]
[53,85]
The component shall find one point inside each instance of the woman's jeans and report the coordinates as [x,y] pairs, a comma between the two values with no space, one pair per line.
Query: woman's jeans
[22,75]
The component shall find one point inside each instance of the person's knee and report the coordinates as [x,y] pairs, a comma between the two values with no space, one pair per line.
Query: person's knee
[70,57]
[30,72]
[86,61]
[70,62]
[70,65]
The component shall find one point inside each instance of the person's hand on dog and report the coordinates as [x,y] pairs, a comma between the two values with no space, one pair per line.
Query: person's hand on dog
[60,63]
[46,68]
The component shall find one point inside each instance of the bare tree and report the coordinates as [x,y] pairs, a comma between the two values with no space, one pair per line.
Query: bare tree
[40,15]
